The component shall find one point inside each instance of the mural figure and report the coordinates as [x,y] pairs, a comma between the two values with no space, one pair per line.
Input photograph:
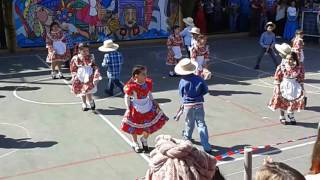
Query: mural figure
[94,20]
[130,28]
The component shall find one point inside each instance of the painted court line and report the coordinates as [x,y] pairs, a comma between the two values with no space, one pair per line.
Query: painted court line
[125,138]
[268,152]
[67,165]
[286,160]
[27,132]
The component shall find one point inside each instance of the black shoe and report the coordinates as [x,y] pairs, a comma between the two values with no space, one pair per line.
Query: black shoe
[85,109]
[209,152]
[293,122]
[108,92]
[256,67]
[93,105]
[145,149]
[61,76]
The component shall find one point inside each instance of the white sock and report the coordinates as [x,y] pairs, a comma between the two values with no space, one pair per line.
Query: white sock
[84,105]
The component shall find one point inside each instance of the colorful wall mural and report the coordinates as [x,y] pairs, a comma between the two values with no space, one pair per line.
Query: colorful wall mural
[95,20]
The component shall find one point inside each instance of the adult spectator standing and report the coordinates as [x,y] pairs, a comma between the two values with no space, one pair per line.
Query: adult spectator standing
[256,10]
[234,12]
[208,6]
[280,17]
[244,15]
[199,17]
[271,6]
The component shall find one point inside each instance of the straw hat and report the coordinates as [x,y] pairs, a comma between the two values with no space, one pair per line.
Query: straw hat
[284,48]
[188,21]
[64,26]
[185,67]
[270,24]
[195,30]
[108,45]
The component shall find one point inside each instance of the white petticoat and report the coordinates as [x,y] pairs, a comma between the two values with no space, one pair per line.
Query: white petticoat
[177,52]
[84,73]
[290,89]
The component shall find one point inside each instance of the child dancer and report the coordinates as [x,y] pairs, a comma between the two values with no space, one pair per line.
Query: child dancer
[200,54]
[267,42]
[195,33]
[143,115]
[186,33]
[174,44]
[57,50]
[85,76]
[288,93]
[298,44]
[113,61]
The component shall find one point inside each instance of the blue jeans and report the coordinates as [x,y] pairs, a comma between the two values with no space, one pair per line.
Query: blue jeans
[111,84]
[233,22]
[195,115]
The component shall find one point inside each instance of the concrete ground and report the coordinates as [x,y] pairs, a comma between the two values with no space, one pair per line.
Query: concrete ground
[45,135]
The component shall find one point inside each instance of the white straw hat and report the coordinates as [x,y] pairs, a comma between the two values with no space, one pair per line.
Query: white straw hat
[64,26]
[284,48]
[195,30]
[185,66]
[188,21]
[270,24]
[108,45]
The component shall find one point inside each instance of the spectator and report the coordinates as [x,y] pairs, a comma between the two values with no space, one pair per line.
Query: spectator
[176,159]
[280,17]
[256,10]
[292,23]
[244,15]
[277,171]
[234,11]
[271,6]
[314,173]
[200,19]
[208,6]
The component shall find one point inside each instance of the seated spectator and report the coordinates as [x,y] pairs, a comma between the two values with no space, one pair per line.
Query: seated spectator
[314,173]
[277,171]
[176,159]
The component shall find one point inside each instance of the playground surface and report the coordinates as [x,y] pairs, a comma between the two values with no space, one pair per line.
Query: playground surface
[45,135]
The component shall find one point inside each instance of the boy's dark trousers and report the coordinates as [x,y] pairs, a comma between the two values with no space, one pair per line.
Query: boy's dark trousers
[270,52]
[111,84]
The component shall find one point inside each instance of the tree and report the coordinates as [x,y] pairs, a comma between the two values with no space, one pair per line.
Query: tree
[10,31]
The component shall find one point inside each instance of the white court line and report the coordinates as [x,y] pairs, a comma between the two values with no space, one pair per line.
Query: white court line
[289,159]
[26,132]
[236,64]
[125,138]
[268,152]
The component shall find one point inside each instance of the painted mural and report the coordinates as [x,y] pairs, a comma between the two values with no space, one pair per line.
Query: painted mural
[94,20]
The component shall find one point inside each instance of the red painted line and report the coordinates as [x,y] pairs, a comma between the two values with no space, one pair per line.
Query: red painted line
[257,127]
[246,129]
[67,165]
[243,108]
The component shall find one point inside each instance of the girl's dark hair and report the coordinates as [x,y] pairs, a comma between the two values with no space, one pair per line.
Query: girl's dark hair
[278,171]
[175,27]
[315,159]
[294,56]
[54,24]
[81,46]
[138,69]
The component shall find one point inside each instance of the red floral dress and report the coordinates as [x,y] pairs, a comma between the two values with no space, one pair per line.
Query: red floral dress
[85,75]
[297,46]
[201,56]
[57,40]
[142,115]
[291,96]
[174,42]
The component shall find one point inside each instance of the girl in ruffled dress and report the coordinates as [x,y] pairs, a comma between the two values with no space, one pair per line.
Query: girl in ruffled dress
[85,76]
[288,95]
[175,45]
[143,115]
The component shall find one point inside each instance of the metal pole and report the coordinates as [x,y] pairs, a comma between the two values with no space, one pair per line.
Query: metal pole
[247,163]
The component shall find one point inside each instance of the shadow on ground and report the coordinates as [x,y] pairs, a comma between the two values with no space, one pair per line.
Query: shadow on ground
[230,93]
[18,88]
[23,143]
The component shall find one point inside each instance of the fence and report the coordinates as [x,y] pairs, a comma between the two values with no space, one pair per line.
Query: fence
[310,23]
